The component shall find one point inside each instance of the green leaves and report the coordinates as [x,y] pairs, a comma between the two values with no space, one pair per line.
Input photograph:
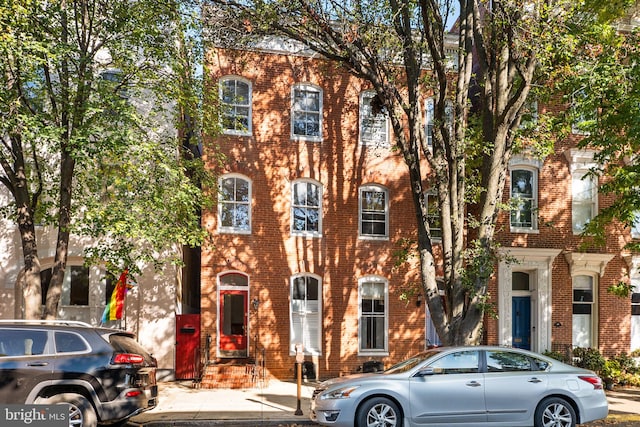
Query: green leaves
[107,85]
[603,87]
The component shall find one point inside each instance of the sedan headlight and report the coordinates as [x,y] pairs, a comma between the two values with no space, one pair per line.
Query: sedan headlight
[340,393]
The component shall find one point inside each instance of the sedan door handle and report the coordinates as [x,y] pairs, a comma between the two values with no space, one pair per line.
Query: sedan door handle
[37,364]
[535,380]
[473,384]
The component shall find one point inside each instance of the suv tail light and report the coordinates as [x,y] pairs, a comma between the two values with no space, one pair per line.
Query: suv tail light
[127,359]
[595,381]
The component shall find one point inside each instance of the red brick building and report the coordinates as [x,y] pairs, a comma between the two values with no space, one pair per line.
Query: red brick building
[313,202]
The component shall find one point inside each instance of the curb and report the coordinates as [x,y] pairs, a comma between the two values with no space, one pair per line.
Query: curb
[227,423]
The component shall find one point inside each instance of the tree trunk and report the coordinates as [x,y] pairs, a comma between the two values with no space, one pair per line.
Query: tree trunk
[62,244]
[28,281]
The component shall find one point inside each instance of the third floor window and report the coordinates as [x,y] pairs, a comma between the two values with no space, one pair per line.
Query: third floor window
[374,125]
[306,112]
[235,100]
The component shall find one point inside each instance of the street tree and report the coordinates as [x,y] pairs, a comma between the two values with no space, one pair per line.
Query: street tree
[480,70]
[602,86]
[89,144]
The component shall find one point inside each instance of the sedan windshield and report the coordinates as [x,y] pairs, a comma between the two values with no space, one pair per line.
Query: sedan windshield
[410,363]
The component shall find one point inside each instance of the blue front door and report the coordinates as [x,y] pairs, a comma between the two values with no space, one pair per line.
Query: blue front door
[521,322]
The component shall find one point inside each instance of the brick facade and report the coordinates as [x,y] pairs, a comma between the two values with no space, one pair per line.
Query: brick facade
[270,255]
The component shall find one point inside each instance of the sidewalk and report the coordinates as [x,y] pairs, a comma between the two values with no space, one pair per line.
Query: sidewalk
[276,405]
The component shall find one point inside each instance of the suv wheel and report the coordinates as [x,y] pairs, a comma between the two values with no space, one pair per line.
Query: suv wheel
[81,413]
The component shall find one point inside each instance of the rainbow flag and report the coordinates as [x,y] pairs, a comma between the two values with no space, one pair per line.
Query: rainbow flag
[113,310]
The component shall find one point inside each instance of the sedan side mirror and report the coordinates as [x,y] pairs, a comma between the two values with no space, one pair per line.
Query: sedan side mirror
[425,372]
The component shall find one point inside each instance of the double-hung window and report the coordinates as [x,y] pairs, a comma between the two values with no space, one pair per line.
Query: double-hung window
[234,204]
[235,98]
[306,309]
[583,311]
[529,117]
[635,227]
[374,212]
[306,112]
[373,328]
[433,215]
[429,121]
[374,126]
[524,197]
[428,130]
[635,309]
[583,116]
[306,208]
[584,200]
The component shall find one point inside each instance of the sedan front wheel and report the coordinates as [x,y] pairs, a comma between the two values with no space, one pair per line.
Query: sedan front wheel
[379,412]
[555,412]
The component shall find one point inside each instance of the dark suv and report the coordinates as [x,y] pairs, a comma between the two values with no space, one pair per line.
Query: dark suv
[103,374]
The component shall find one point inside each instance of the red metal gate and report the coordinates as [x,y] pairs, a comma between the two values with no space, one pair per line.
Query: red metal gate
[187,346]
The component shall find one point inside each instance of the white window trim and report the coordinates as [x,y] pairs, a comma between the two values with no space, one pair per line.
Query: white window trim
[531,110]
[292,345]
[635,227]
[429,117]
[432,195]
[369,94]
[249,130]
[580,162]
[580,175]
[535,202]
[589,264]
[376,188]
[385,282]
[234,230]
[97,288]
[305,233]
[634,273]
[307,87]
[429,112]
[578,119]
[594,307]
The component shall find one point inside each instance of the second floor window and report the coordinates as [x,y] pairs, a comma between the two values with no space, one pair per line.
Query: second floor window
[583,202]
[373,126]
[235,98]
[306,112]
[306,208]
[523,198]
[373,212]
[234,205]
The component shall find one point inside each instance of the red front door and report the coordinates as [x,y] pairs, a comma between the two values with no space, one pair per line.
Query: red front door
[233,323]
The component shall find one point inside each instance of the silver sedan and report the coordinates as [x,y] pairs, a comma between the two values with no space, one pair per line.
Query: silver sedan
[470,386]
